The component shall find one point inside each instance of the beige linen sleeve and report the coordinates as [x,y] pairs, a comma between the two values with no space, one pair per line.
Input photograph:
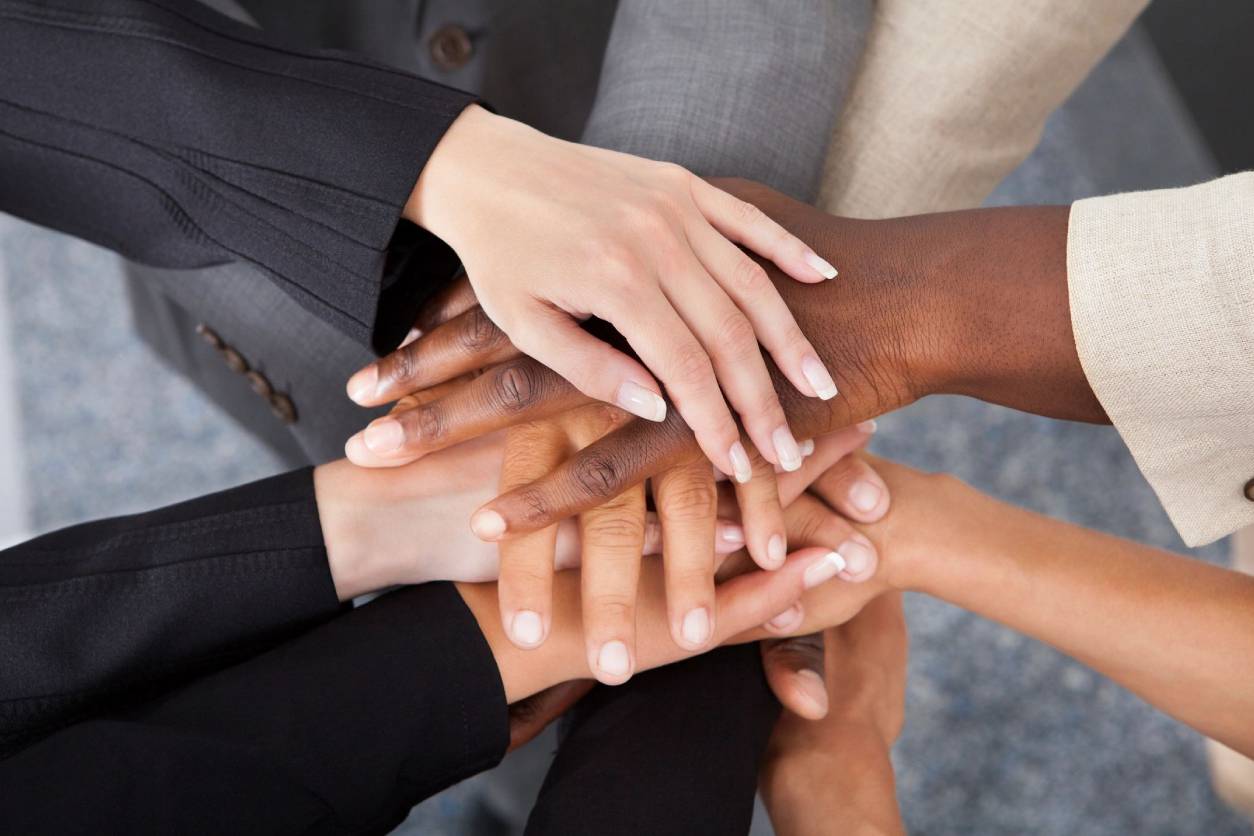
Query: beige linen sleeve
[1162,305]
[951,95]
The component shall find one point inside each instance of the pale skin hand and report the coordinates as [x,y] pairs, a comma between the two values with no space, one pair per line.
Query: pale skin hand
[1177,632]
[552,232]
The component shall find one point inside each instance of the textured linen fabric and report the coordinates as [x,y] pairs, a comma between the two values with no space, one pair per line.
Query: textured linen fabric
[181,138]
[1162,304]
[951,95]
[744,89]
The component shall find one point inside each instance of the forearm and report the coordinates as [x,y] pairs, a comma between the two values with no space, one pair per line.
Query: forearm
[969,303]
[1177,632]
[850,789]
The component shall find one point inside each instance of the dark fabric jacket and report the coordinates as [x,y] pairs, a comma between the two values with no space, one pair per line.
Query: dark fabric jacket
[180,138]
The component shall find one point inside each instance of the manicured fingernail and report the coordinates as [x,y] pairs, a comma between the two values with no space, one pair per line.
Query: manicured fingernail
[820,265]
[819,378]
[812,689]
[786,449]
[858,557]
[526,628]
[487,525]
[641,401]
[776,549]
[696,627]
[384,436]
[362,385]
[740,463]
[864,496]
[869,427]
[731,534]
[807,448]
[786,620]
[613,660]
[823,570]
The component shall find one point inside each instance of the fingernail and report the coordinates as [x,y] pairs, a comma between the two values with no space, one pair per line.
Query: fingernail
[819,378]
[864,496]
[787,619]
[823,570]
[813,689]
[362,385]
[384,436]
[613,660]
[820,265]
[731,534]
[696,627]
[869,427]
[858,557]
[786,449]
[487,525]
[527,629]
[807,448]
[740,463]
[776,549]
[641,401]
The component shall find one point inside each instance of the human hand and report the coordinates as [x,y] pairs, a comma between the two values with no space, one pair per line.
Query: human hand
[614,535]
[925,306]
[552,232]
[848,749]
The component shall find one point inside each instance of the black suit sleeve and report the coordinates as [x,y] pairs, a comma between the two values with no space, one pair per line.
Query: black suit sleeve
[111,610]
[180,138]
[341,730]
[675,750]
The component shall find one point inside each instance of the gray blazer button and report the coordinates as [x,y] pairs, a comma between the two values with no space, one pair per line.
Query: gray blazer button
[451,47]
[283,408]
[234,360]
[260,383]
[210,336]
[1249,490]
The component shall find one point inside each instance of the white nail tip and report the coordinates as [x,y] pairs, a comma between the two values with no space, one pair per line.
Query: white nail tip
[641,402]
[820,380]
[831,565]
[821,266]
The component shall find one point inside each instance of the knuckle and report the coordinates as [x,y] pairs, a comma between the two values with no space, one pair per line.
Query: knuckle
[690,367]
[534,505]
[523,576]
[615,528]
[515,386]
[478,332]
[738,340]
[612,607]
[747,276]
[690,500]
[424,425]
[695,578]
[747,213]
[399,367]
[598,475]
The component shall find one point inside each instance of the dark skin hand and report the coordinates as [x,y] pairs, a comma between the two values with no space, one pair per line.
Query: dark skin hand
[968,303]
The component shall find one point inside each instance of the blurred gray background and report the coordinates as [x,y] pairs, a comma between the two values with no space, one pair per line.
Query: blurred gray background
[1003,734]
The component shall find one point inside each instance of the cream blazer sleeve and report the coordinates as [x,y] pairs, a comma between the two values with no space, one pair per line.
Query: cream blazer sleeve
[951,95]
[1162,305]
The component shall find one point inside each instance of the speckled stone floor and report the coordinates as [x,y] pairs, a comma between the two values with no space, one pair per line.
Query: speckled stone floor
[1004,735]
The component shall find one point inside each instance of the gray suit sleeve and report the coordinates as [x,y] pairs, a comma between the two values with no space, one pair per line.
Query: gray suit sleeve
[748,88]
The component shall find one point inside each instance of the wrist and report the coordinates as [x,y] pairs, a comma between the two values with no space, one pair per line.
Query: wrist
[351,518]
[559,659]
[450,180]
